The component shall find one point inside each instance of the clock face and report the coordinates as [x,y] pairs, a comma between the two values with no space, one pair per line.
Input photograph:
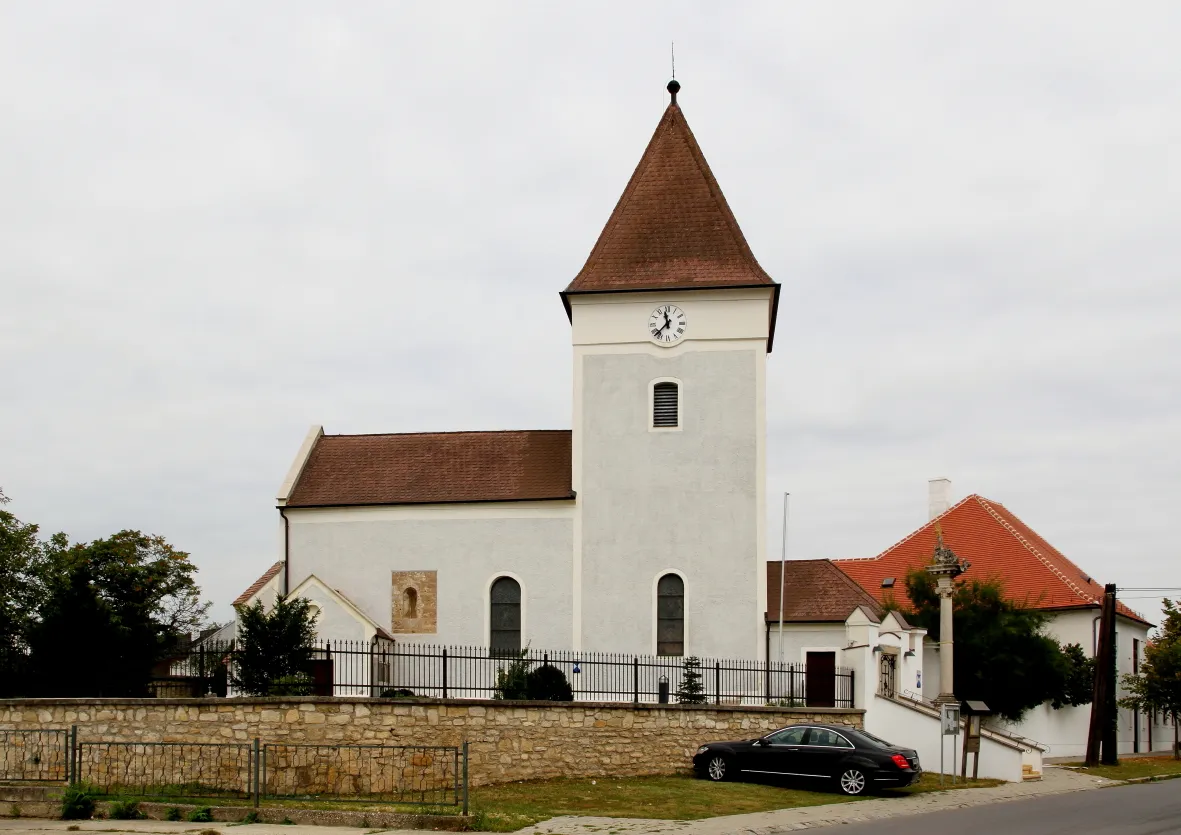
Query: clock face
[666,325]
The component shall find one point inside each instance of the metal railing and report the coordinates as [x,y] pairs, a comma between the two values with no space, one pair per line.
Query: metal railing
[167,769]
[419,775]
[34,756]
[382,668]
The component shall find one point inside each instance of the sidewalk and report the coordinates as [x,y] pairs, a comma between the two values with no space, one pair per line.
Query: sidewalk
[1054,781]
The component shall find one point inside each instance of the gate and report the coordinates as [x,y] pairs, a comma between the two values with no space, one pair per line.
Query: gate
[886,674]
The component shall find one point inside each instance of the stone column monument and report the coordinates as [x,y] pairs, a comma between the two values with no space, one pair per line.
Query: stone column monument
[945,566]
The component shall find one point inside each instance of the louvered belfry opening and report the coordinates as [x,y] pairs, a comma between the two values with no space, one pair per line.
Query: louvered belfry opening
[665,404]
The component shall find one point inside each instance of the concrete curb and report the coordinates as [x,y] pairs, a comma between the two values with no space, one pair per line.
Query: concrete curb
[1152,778]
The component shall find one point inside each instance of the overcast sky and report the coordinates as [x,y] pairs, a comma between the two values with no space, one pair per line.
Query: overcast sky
[222,222]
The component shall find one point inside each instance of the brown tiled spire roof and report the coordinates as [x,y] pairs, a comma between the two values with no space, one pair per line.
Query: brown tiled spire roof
[672,228]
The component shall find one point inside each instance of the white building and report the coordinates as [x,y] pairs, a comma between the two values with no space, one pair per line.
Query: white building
[638,530]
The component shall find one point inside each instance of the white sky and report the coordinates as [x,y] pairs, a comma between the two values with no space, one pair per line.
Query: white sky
[221,222]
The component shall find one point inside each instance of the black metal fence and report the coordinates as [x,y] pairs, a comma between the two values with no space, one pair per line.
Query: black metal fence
[421,775]
[34,756]
[385,668]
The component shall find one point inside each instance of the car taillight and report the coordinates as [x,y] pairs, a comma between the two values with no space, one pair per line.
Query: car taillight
[900,761]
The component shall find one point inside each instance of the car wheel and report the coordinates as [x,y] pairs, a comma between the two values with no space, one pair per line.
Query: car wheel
[718,768]
[853,781]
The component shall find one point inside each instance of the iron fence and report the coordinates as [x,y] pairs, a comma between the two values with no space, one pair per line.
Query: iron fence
[418,774]
[34,756]
[421,775]
[385,668]
[167,769]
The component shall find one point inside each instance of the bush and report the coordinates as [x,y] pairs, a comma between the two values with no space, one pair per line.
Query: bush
[201,815]
[513,682]
[299,684]
[125,810]
[547,683]
[78,802]
[397,693]
[172,814]
[251,817]
[691,691]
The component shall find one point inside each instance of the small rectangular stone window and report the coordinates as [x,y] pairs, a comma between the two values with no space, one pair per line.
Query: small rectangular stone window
[665,404]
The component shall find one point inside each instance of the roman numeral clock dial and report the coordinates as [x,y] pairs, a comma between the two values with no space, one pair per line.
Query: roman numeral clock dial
[666,325]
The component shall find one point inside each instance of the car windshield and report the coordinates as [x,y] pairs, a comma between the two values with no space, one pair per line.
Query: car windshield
[865,736]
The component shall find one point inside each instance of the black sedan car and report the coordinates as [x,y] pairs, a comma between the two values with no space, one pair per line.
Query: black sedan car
[855,761]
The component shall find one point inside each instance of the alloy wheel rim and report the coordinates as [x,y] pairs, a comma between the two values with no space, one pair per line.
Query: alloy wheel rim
[717,768]
[853,782]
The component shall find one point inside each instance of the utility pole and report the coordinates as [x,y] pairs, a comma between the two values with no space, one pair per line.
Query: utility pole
[782,566]
[1102,737]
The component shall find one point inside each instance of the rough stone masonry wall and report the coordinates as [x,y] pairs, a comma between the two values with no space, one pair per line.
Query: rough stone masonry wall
[508,740]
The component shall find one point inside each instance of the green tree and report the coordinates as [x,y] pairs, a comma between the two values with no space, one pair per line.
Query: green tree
[1157,686]
[691,691]
[274,647]
[21,556]
[1003,657]
[110,611]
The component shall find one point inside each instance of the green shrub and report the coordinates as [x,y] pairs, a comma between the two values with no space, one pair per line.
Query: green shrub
[78,802]
[397,693]
[172,814]
[125,810]
[691,691]
[299,684]
[512,682]
[547,683]
[201,815]
[251,817]
[287,822]
[14,811]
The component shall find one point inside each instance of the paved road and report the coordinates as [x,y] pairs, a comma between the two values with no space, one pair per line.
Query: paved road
[1144,809]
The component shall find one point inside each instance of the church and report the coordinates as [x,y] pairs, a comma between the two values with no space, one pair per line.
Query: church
[640,529]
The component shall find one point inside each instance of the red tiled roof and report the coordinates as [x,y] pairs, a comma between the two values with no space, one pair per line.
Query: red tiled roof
[999,546]
[815,591]
[672,228]
[257,585]
[435,467]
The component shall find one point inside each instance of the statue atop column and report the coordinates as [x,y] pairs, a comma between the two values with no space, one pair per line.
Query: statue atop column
[945,566]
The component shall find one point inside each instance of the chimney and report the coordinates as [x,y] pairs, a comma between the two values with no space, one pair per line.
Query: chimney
[938,497]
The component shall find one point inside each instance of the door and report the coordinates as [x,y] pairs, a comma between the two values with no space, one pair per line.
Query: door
[822,752]
[887,672]
[820,679]
[776,753]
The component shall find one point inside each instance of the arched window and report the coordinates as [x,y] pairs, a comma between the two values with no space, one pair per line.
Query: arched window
[505,622]
[410,602]
[670,615]
[666,405]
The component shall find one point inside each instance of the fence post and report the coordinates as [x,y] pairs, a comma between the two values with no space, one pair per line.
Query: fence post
[717,682]
[853,694]
[635,680]
[73,762]
[444,672]
[257,765]
[465,777]
[67,755]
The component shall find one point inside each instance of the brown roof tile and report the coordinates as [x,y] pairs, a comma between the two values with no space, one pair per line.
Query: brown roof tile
[266,577]
[815,591]
[435,467]
[672,228]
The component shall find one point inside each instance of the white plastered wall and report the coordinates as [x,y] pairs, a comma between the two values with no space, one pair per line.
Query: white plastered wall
[468,545]
[712,505]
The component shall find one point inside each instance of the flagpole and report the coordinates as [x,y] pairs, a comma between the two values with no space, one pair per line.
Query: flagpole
[782,561]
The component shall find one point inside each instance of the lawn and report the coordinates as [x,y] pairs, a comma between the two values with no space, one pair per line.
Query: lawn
[511,806]
[1131,767]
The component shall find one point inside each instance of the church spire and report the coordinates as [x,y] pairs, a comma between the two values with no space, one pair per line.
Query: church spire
[672,228]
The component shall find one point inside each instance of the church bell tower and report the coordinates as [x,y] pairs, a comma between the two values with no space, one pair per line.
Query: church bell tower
[671,319]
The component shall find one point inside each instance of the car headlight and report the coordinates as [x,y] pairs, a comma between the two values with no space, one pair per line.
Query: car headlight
[702,749]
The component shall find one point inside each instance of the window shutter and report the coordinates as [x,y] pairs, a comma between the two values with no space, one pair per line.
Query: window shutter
[665,404]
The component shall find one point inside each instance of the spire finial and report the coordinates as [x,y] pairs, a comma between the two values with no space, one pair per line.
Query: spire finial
[673,87]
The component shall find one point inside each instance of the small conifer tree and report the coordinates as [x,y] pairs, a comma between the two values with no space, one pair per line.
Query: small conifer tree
[691,691]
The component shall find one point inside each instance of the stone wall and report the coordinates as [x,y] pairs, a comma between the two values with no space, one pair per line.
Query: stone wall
[508,740]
